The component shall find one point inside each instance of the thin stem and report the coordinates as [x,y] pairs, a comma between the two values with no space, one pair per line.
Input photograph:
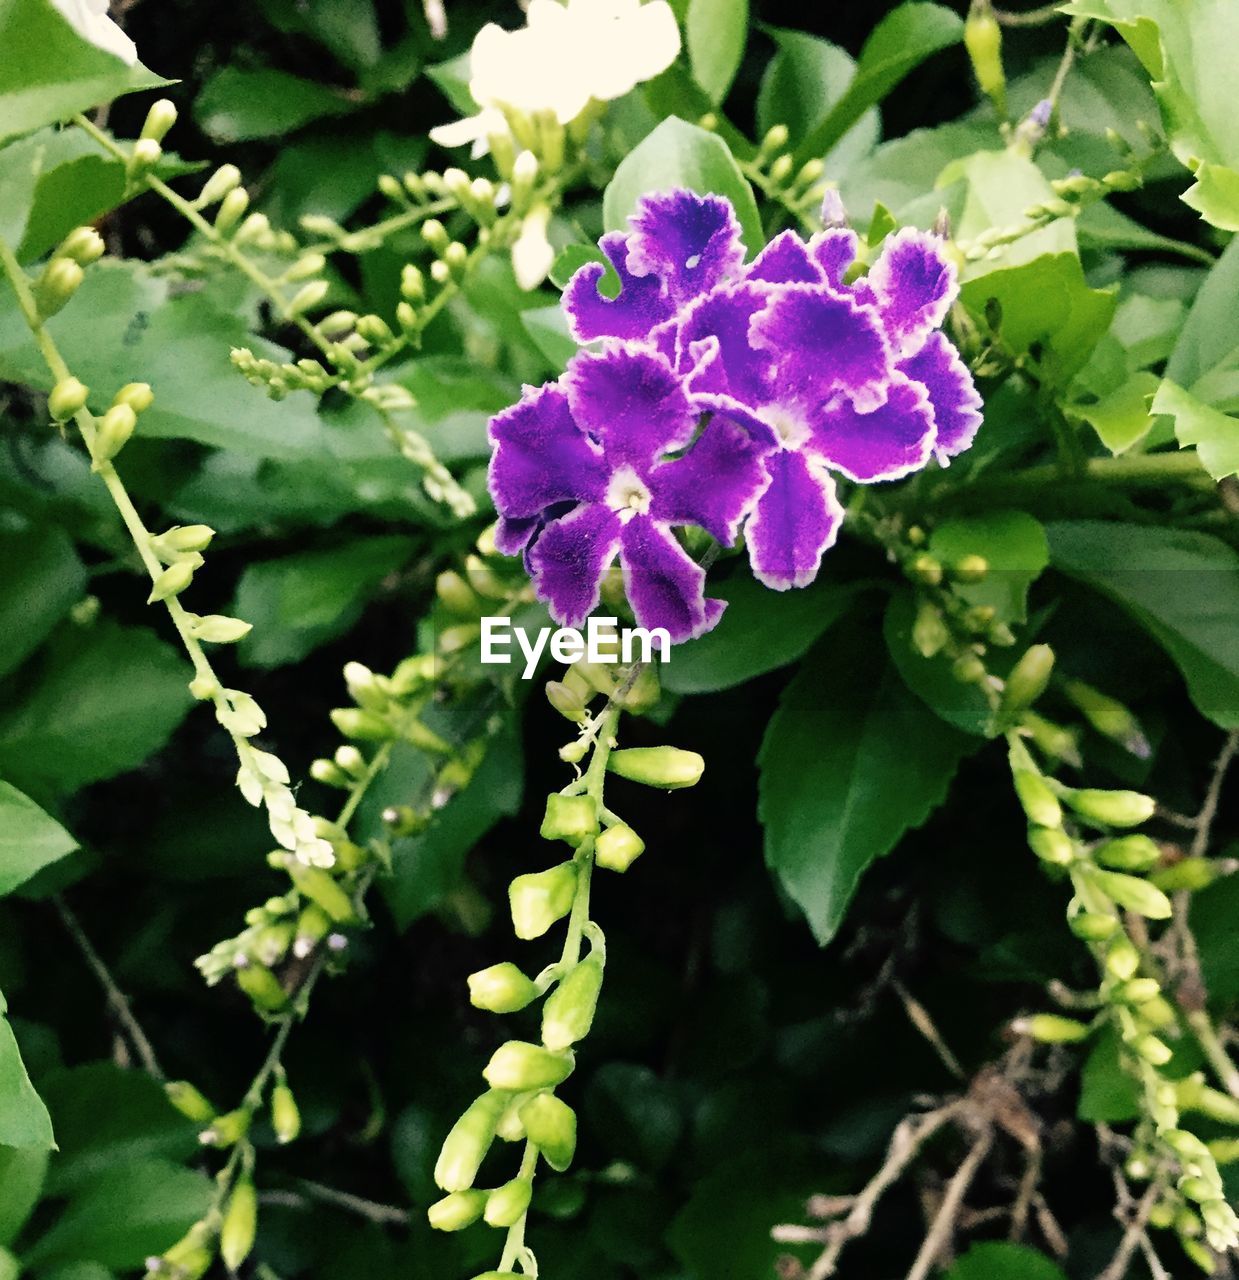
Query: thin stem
[383,1214]
[1032,18]
[943,1226]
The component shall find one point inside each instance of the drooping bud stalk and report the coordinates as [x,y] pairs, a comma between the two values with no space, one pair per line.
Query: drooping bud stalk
[1052,845]
[262,987]
[226,1130]
[1038,801]
[225,179]
[240,1224]
[320,888]
[1093,926]
[181,539]
[216,628]
[115,428]
[231,210]
[1122,958]
[1187,873]
[519,1067]
[465,1147]
[173,580]
[667,767]
[1133,893]
[618,847]
[569,818]
[551,1126]
[1051,1028]
[502,988]
[1128,853]
[569,1010]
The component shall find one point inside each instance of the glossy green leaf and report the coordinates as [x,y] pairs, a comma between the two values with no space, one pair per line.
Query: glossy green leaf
[24,1121]
[237,105]
[715,32]
[22,1170]
[850,762]
[1121,418]
[29,839]
[1214,434]
[996,1260]
[41,579]
[1014,546]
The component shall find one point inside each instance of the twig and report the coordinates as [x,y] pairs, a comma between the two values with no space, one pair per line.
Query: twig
[918,1015]
[943,1227]
[383,1214]
[117,999]
[1032,18]
[1213,795]
[1136,1226]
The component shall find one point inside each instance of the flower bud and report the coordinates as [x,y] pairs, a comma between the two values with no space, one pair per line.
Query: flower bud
[313,925]
[1134,893]
[1128,853]
[67,398]
[1111,808]
[1027,681]
[61,279]
[524,175]
[1051,1028]
[159,119]
[1093,926]
[114,430]
[435,234]
[569,818]
[318,885]
[219,184]
[137,395]
[226,1130]
[466,1145]
[181,538]
[236,1232]
[262,987]
[191,1256]
[569,1010]
[1109,717]
[231,210]
[285,1114]
[189,1101]
[519,1067]
[551,1126]
[172,581]
[307,297]
[1152,1050]
[566,702]
[215,628]
[983,41]
[1137,991]
[1039,802]
[457,1211]
[84,245]
[502,988]
[510,1128]
[539,899]
[1122,958]
[146,154]
[506,1205]
[1052,845]
[970,568]
[365,726]
[665,767]
[775,140]
[618,847]
[1187,873]
[929,631]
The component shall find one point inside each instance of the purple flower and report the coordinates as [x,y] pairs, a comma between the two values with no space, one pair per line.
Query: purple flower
[604,463]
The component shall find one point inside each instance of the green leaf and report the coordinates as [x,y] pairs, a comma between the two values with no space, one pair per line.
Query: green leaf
[850,763]
[1014,545]
[102,699]
[634,1113]
[41,579]
[49,72]
[299,602]
[1108,1094]
[1001,186]
[130,1212]
[24,1121]
[1122,418]
[1213,926]
[1215,434]
[998,1260]
[29,839]
[678,154]
[1181,587]
[898,44]
[716,31]
[22,1170]
[760,632]
[548,327]
[237,105]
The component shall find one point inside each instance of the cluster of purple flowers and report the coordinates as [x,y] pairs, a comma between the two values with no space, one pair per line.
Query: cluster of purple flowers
[723,394]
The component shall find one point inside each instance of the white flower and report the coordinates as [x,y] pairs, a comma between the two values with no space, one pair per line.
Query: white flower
[566,56]
[532,254]
[89,18]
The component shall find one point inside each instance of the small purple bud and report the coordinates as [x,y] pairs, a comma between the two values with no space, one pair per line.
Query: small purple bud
[833,212]
[1040,114]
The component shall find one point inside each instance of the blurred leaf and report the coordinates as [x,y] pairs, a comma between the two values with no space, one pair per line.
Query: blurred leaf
[29,839]
[1108,1094]
[1122,418]
[850,763]
[1014,546]
[1181,587]
[1214,434]
[299,602]
[1001,187]
[677,154]
[24,1121]
[1213,926]
[716,32]
[237,105]
[452,78]
[22,1170]
[49,72]
[41,579]
[548,327]
[100,701]
[1001,1261]
[634,1113]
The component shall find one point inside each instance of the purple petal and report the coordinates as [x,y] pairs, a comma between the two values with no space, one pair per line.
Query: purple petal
[512,536]
[569,559]
[715,335]
[714,484]
[952,394]
[785,260]
[823,342]
[883,444]
[796,519]
[834,251]
[915,285]
[665,586]
[631,401]
[690,242]
[542,456]
[640,305]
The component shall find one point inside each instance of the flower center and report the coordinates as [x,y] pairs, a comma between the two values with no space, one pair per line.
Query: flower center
[791,430]
[627,494]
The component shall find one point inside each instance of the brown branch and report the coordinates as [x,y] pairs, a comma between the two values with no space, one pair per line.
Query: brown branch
[943,1227]
[918,1015]
[1137,1225]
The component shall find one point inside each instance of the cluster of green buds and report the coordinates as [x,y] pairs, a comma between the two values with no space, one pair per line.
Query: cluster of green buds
[61,278]
[521,1102]
[147,151]
[107,435]
[799,188]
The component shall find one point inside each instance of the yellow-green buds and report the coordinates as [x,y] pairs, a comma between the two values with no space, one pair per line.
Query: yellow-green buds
[1137,991]
[285,1114]
[569,818]
[61,279]
[1027,681]
[566,701]
[216,628]
[67,398]
[569,1010]
[970,568]
[1111,808]
[1152,1050]
[192,1255]
[502,988]
[1093,926]
[457,1211]
[307,297]
[231,210]
[115,428]
[1122,958]
[1187,873]
[1133,893]
[226,1130]
[189,1101]
[365,726]
[159,119]
[137,395]
[1052,845]
[1128,853]
[774,141]
[225,179]
[618,847]
[321,889]
[968,668]
[929,631]
[1109,717]
[518,1067]
[83,244]
[1051,1028]
[540,898]
[466,1145]
[180,539]
[983,41]
[173,580]
[146,154]
[507,1204]
[666,767]
[551,1126]
[926,569]
[262,987]
[1039,802]
[236,1232]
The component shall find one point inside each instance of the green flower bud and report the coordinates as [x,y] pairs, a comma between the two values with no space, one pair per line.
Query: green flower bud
[182,538]
[1198,1254]
[61,279]
[226,1130]
[307,297]
[159,119]
[285,1114]
[216,628]
[1158,1013]
[1128,853]
[1111,808]
[775,140]
[1039,802]
[926,569]
[506,1205]
[540,898]
[502,988]
[1133,893]
[498,1275]
[146,154]
[321,888]
[551,1126]
[466,1145]
[1122,958]
[518,1067]
[271,942]
[313,925]
[1224,1150]
[1198,1189]
[10,1268]
[435,234]
[231,210]
[365,726]
[219,184]
[970,568]
[172,581]
[929,632]
[1152,1050]
[566,702]
[510,1128]
[137,395]
[569,1010]
[644,691]
[1052,845]
[1187,873]
[189,1101]
[1109,717]
[457,1211]
[618,847]
[983,41]
[262,987]
[67,398]
[404,820]
[665,767]
[84,245]
[1137,991]
[193,1253]
[569,818]
[968,668]
[115,428]
[1027,681]
[236,1232]
[1215,1104]
[1050,1028]
[1093,926]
